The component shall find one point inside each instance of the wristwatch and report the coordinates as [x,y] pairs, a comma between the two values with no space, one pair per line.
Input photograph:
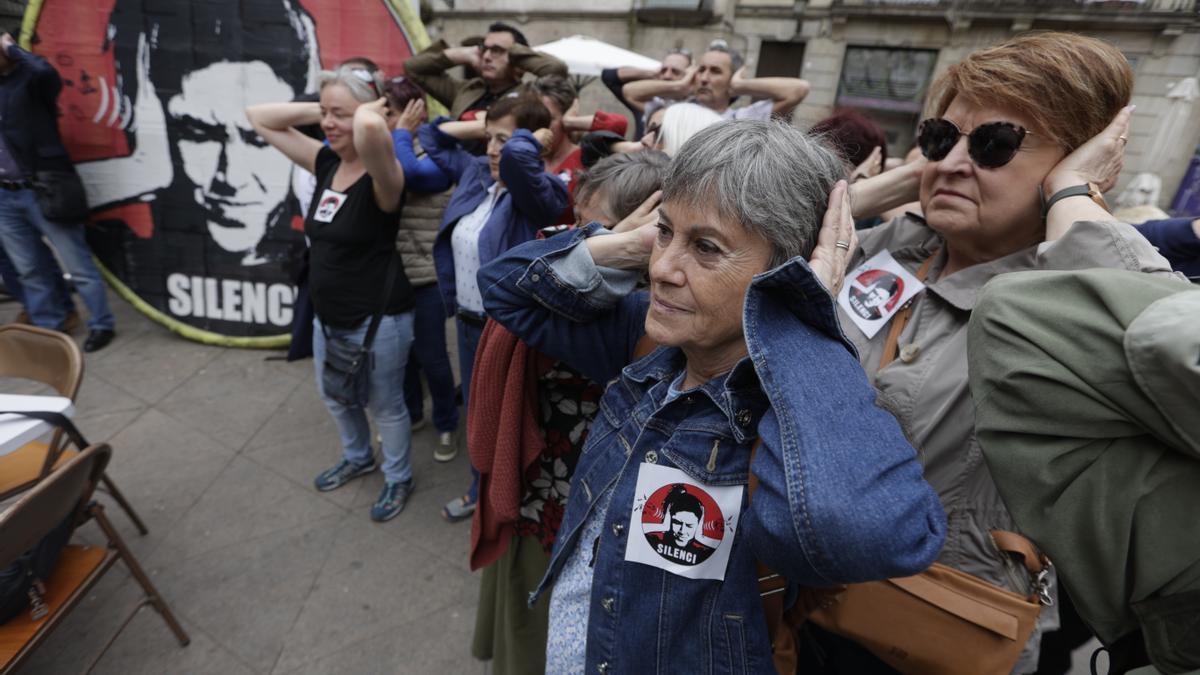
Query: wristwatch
[1087,190]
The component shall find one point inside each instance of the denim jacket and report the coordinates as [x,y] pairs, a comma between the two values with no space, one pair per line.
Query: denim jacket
[535,198]
[840,498]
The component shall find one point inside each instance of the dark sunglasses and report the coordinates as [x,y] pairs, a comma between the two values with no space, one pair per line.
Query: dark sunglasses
[990,145]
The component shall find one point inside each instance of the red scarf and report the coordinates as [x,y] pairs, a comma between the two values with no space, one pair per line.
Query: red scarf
[504,438]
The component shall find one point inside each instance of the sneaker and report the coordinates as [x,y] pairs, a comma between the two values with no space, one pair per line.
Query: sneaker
[391,501]
[458,509]
[420,424]
[446,449]
[341,473]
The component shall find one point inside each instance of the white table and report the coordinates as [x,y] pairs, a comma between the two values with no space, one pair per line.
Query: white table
[16,430]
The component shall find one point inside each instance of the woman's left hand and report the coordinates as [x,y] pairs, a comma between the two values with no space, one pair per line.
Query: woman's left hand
[545,138]
[836,241]
[412,116]
[1098,161]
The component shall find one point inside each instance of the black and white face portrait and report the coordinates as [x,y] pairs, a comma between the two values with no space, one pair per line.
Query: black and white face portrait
[683,527]
[238,180]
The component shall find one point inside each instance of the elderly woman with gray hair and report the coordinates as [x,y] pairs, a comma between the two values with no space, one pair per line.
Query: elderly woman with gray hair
[753,381]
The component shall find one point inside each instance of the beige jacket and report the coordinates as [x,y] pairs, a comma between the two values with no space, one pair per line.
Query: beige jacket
[927,389]
[428,70]
[418,229]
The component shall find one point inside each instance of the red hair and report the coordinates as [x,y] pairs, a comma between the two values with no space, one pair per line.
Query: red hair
[852,134]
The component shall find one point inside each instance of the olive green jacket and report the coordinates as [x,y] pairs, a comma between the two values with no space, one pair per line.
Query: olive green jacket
[428,69]
[1087,409]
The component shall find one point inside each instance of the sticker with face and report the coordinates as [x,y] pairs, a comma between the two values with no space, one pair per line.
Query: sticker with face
[687,527]
[327,207]
[875,290]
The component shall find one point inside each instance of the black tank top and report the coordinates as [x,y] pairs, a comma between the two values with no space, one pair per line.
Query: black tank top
[352,242]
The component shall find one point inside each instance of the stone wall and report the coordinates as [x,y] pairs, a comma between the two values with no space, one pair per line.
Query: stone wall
[1161,51]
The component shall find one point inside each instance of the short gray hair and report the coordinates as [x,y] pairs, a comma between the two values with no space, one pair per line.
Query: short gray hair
[356,79]
[736,60]
[767,175]
[627,180]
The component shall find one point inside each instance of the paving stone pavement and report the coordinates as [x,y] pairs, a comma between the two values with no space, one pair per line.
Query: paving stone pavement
[217,448]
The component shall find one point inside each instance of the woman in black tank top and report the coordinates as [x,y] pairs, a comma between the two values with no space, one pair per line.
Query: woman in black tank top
[354,268]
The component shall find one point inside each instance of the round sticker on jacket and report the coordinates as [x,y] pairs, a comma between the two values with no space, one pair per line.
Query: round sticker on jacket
[683,524]
[875,292]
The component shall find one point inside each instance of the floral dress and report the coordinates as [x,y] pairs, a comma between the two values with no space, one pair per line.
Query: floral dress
[508,633]
[567,403]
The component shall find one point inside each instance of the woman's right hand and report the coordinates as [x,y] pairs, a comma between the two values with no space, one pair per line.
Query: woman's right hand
[871,166]
[628,250]
[645,214]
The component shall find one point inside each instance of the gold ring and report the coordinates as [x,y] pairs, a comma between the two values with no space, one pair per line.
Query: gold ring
[844,245]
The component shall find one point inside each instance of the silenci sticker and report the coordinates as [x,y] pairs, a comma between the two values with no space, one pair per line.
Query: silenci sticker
[687,527]
[876,290]
[331,202]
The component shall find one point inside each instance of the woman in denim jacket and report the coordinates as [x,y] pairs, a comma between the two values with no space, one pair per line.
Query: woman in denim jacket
[751,350]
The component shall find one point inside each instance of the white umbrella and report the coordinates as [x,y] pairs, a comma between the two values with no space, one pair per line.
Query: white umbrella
[588,56]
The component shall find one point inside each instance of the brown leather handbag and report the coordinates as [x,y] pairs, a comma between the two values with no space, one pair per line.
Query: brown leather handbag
[942,621]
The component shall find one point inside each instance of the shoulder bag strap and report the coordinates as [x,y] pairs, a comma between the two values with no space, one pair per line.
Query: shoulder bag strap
[892,347]
[387,297]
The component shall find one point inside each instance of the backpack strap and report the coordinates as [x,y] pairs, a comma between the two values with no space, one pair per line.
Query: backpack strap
[891,347]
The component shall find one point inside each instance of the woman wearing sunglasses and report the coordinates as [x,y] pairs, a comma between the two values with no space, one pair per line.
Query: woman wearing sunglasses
[1024,138]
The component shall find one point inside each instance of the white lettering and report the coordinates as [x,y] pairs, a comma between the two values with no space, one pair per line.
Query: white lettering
[676,553]
[254,302]
[231,300]
[212,308]
[198,297]
[180,303]
[279,304]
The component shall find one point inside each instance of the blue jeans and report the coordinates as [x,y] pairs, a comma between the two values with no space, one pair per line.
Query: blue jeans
[21,229]
[12,280]
[389,353]
[429,355]
[468,343]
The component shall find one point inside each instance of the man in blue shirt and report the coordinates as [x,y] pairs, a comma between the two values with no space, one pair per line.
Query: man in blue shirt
[30,143]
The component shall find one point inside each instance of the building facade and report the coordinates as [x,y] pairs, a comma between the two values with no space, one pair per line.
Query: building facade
[881,55]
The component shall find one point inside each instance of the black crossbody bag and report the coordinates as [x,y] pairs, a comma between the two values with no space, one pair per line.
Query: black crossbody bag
[61,196]
[346,375]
